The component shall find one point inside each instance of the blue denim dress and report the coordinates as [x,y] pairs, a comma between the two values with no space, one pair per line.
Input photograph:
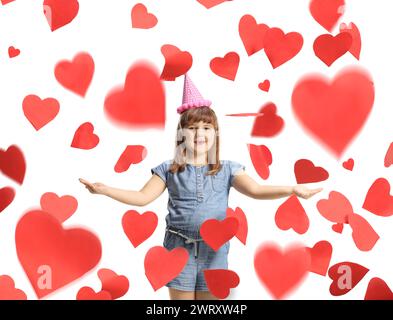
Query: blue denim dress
[193,198]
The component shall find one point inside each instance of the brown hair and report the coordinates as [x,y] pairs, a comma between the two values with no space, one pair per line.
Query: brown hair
[187,118]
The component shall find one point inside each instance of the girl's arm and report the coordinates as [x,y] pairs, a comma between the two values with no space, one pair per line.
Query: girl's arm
[151,191]
[248,186]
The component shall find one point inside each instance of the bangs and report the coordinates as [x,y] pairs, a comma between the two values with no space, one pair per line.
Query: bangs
[195,115]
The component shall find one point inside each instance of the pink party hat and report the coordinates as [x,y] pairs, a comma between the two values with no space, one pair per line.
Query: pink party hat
[192,97]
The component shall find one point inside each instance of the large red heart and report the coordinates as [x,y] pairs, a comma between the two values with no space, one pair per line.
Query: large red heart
[377,289]
[141,18]
[345,276]
[60,207]
[334,112]
[327,12]
[116,285]
[336,208]
[131,155]
[329,48]
[84,137]
[363,233]
[291,214]
[252,34]
[281,47]
[306,172]
[139,227]
[320,254]
[141,102]
[261,158]
[215,232]
[281,271]
[388,161]
[378,199]
[220,281]
[242,220]
[51,256]
[353,30]
[76,75]
[87,293]
[227,66]
[60,12]
[40,112]
[161,265]
[7,195]
[269,124]
[12,163]
[177,62]
[8,290]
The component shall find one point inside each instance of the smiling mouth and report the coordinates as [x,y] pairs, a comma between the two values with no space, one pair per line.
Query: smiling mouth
[200,141]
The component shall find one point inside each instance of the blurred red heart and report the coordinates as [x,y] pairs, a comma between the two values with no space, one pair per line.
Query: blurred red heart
[320,255]
[378,199]
[336,209]
[8,290]
[7,195]
[116,285]
[329,48]
[141,18]
[40,112]
[216,233]
[84,137]
[353,30]
[345,276]
[327,12]
[377,289]
[269,124]
[61,208]
[220,281]
[291,215]
[307,172]
[252,34]
[348,164]
[131,155]
[363,233]
[139,227]
[12,163]
[177,62]
[242,221]
[60,12]
[227,66]
[87,293]
[261,158]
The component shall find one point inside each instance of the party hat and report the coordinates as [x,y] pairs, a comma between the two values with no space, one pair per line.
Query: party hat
[191,97]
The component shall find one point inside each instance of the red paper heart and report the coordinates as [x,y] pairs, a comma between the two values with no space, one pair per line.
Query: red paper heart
[7,195]
[141,102]
[40,112]
[13,52]
[377,289]
[139,227]
[131,155]
[329,48]
[363,234]
[291,214]
[220,281]
[12,163]
[226,67]
[211,3]
[141,18]
[349,164]
[388,161]
[264,86]
[334,112]
[60,12]
[280,47]
[378,199]
[335,209]
[161,265]
[338,227]
[51,256]
[216,233]
[306,172]
[84,138]
[320,255]
[242,223]
[269,124]
[177,62]
[8,290]
[281,271]
[61,208]
[3,2]
[261,158]
[116,285]
[327,12]
[353,30]
[76,75]
[345,276]
[87,293]
[252,34]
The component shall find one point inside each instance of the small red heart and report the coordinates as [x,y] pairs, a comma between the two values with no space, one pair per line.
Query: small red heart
[281,47]
[116,285]
[281,270]
[8,290]
[84,138]
[261,158]
[7,195]
[353,30]
[327,12]
[242,221]
[13,52]
[321,255]
[161,265]
[291,214]
[378,199]
[269,124]
[61,208]
[131,155]
[335,209]
[389,156]
[13,164]
[345,276]
[87,293]
[377,289]
[306,172]
[177,62]
[220,281]
[264,86]
[363,234]
[338,227]
[349,164]
[226,67]
[211,3]
[60,12]
[252,34]
[40,112]
[139,227]
[329,48]
[215,232]
[51,256]
[76,75]
[141,18]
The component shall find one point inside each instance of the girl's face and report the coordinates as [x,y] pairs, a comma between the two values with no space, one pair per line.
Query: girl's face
[199,136]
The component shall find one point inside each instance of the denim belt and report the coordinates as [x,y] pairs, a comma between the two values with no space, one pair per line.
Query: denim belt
[187,240]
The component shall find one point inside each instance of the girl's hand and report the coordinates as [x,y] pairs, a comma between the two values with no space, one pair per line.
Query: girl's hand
[97,188]
[304,192]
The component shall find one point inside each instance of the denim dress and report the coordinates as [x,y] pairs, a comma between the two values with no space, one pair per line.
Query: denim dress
[195,197]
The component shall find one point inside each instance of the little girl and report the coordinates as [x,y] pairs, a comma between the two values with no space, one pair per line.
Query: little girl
[198,185]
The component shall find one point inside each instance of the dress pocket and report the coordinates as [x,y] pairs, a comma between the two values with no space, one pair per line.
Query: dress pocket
[218,183]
